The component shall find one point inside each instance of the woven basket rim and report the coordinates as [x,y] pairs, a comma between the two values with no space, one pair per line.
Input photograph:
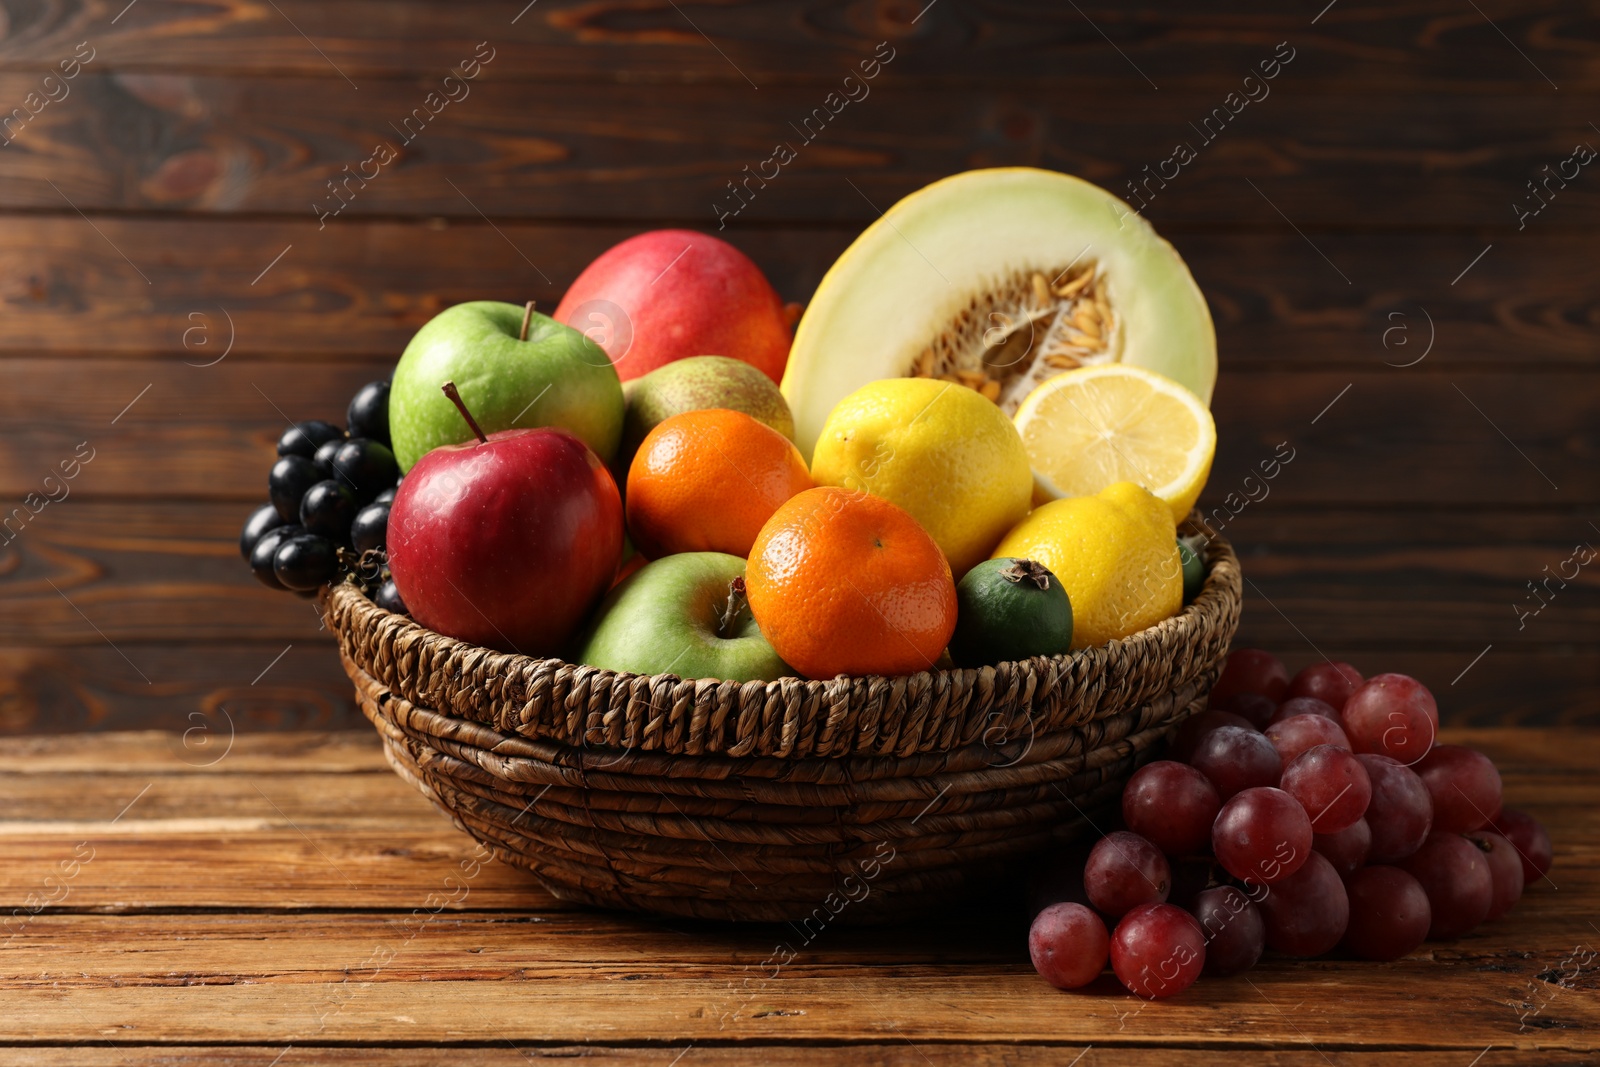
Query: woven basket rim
[866,715]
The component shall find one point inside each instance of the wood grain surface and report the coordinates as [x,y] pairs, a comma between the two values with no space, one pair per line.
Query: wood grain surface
[558,151]
[1374,45]
[171,299]
[292,897]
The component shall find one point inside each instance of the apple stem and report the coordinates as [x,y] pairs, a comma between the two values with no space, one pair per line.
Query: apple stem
[449,390]
[736,603]
[527,318]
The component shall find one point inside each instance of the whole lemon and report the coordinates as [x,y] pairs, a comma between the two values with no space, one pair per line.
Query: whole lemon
[1116,554]
[938,450]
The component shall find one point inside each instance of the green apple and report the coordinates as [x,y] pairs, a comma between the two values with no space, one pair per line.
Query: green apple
[556,377]
[695,384]
[673,617]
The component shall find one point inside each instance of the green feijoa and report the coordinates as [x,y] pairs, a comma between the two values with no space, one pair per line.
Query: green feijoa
[1010,609]
[1194,569]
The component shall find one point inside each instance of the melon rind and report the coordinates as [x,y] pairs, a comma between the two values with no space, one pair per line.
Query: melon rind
[914,270]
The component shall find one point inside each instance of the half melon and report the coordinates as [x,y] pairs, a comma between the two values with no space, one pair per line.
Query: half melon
[998,279]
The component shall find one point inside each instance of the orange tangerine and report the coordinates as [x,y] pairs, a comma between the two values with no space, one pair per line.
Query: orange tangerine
[706,481]
[842,582]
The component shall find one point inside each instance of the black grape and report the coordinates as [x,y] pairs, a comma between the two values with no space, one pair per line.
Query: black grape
[305,562]
[366,466]
[327,510]
[290,478]
[371,527]
[388,598]
[260,521]
[368,414]
[304,438]
[266,548]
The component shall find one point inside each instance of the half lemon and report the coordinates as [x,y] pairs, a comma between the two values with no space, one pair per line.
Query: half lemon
[1093,427]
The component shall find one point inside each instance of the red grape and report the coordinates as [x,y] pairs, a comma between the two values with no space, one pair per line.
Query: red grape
[1528,837]
[1306,913]
[1293,736]
[1172,806]
[1400,813]
[1464,787]
[1303,706]
[1346,850]
[1251,670]
[1157,950]
[1331,682]
[1455,875]
[1236,759]
[1505,871]
[1124,871]
[1262,835]
[1331,784]
[1392,715]
[1235,934]
[1069,945]
[1252,707]
[1389,913]
[1196,727]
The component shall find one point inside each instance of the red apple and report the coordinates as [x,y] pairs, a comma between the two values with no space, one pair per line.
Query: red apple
[506,541]
[669,294]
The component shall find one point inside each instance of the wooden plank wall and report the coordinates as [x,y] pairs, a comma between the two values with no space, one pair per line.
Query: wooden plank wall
[1387,300]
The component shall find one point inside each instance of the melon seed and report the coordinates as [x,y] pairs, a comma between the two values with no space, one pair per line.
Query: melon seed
[1021,330]
[1041,291]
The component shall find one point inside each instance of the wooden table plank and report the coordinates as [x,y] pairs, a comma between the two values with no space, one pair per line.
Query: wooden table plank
[1333,1009]
[256,862]
[358,289]
[193,685]
[190,948]
[296,893]
[1380,45]
[298,292]
[166,753]
[556,151]
[889,1054]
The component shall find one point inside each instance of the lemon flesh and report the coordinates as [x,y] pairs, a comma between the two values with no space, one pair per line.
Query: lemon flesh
[1088,429]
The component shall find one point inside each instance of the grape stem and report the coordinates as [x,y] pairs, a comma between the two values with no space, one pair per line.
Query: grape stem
[449,390]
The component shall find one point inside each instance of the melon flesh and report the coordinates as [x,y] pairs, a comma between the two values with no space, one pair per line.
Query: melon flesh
[935,258]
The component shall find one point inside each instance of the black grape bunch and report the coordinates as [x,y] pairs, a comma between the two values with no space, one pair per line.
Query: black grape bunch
[328,495]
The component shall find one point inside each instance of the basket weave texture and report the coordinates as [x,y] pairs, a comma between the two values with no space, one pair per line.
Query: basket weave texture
[792,800]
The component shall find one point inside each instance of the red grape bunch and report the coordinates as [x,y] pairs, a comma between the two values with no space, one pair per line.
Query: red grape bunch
[1299,815]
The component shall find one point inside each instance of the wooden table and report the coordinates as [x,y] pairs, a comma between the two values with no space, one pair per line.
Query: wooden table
[285,899]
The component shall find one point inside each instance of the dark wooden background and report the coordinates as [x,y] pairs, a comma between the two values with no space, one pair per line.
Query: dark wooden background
[1329,225]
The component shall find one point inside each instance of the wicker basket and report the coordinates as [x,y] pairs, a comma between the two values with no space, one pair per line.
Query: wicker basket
[856,799]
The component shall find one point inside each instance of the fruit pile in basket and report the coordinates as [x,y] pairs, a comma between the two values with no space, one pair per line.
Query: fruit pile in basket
[1299,815]
[991,420]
